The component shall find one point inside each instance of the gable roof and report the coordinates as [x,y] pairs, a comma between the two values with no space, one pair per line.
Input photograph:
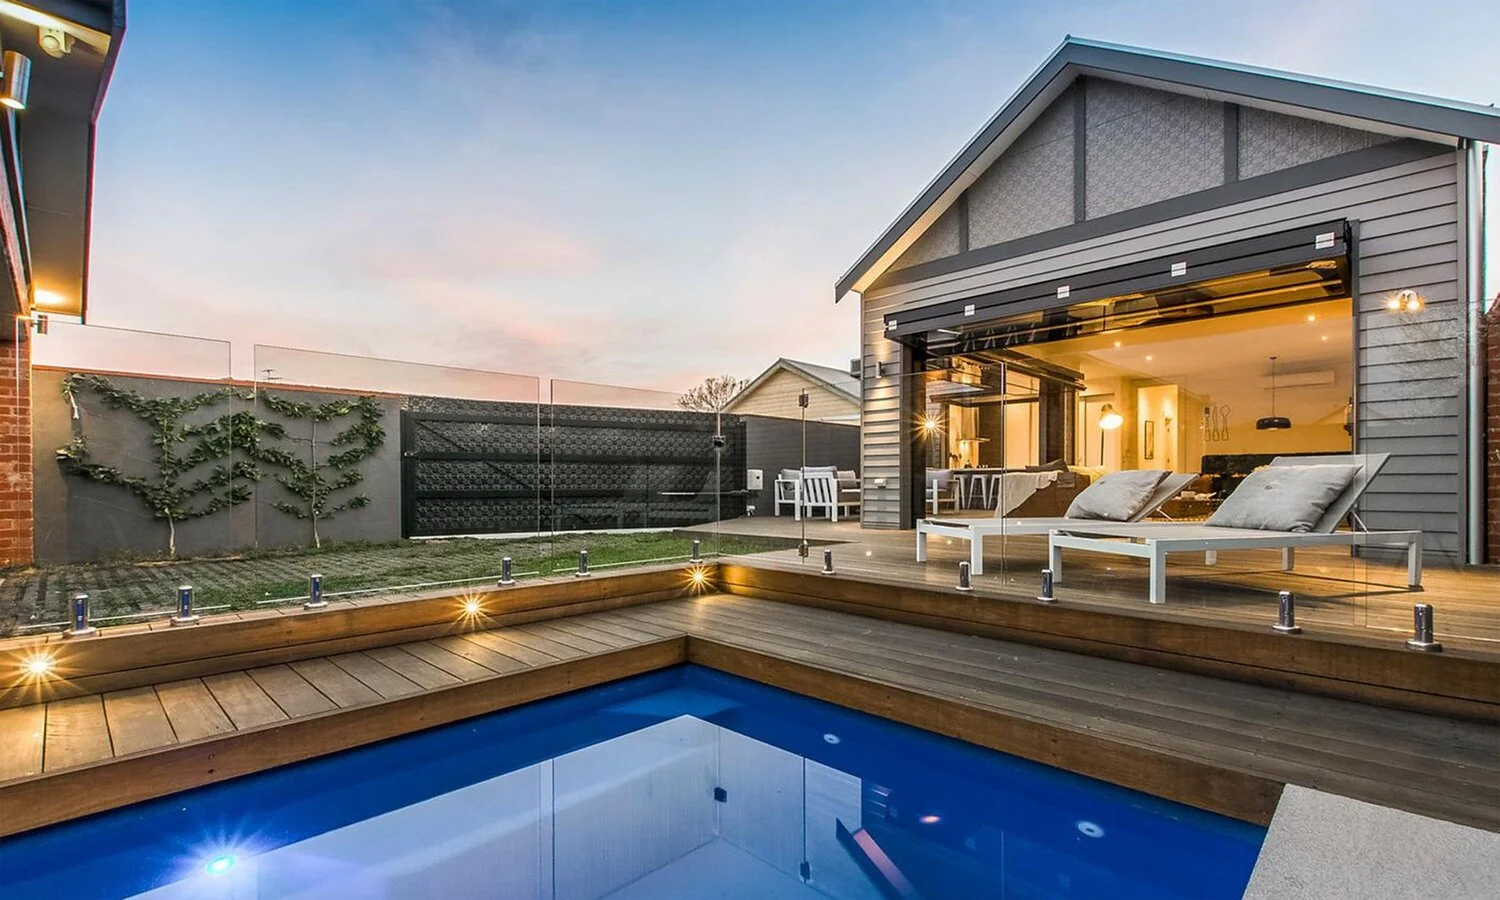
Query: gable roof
[836,380]
[1344,103]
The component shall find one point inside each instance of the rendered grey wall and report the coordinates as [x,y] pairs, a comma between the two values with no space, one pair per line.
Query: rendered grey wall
[80,520]
[775,444]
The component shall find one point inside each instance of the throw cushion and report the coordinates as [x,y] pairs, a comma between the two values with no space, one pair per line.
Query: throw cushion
[1117,496]
[1056,465]
[1283,498]
[847,479]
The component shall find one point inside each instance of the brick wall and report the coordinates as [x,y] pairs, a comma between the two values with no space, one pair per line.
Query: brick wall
[15,454]
[1492,431]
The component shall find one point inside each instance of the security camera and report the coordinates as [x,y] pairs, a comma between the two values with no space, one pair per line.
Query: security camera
[54,41]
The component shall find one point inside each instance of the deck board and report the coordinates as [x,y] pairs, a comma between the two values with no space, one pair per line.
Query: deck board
[334,683]
[290,691]
[137,721]
[192,710]
[244,701]
[375,675]
[22,730]
[76,733]
[1203,723]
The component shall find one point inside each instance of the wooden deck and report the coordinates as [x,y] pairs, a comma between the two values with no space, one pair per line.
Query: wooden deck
[1217,744]
[1336,593]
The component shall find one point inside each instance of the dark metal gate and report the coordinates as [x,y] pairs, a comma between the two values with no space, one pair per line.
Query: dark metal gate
[472,467]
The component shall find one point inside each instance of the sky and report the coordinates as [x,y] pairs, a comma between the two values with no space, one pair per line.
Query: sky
[638,193]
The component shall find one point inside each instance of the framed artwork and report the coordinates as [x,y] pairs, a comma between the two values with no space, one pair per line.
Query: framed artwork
[1149,450]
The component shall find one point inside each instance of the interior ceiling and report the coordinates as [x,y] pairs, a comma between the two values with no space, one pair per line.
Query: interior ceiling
[1305,337]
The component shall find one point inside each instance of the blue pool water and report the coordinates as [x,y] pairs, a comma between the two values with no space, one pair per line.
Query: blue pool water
[683,783]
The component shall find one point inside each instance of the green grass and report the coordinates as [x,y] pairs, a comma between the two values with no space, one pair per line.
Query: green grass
[253,579]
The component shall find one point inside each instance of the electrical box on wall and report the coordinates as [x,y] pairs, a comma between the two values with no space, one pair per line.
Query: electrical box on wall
[755,480]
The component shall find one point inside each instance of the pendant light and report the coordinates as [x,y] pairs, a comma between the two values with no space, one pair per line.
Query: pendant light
[1273,422]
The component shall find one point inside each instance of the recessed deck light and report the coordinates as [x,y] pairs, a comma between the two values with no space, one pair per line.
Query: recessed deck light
[471,607]
[219,864]
[38,665]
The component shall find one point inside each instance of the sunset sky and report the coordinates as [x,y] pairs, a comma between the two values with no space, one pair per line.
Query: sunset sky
[638,193]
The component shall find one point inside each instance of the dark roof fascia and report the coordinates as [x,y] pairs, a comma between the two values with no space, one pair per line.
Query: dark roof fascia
[98,15]
[1075,57]
[971,152]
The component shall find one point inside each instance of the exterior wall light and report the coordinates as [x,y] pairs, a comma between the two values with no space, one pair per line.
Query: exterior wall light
[17,75]
[1405,301]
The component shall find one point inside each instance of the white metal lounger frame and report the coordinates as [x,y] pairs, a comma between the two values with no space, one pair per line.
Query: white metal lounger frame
[976,530]
[1154,541]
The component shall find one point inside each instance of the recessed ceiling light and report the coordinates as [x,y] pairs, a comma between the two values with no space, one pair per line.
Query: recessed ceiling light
[1323,338]
[1149,357]
[1119,343]
[1311,317]
[48,298]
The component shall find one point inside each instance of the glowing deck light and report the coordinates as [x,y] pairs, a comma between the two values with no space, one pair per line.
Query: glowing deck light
[38,665]
[219,864]
[698,575]
[471,607]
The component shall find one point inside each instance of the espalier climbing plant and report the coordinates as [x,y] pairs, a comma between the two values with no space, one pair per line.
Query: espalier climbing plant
[204,467]
[180,488]
[315,480]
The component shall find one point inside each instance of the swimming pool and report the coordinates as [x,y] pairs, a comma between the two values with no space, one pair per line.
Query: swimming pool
[676,784]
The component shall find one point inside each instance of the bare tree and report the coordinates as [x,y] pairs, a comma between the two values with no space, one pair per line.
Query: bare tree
[713,394]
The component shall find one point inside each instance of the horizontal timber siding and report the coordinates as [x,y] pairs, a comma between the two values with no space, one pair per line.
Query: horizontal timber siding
[1411,369]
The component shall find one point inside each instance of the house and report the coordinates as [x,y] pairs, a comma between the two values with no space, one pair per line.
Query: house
[832,394]
[1147,260]
[781,434]
[58,56]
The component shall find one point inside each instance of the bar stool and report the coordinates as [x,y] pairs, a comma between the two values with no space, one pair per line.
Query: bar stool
[980,485]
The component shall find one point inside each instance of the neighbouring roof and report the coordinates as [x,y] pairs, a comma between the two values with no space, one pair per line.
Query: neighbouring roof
[1411,115]
[836,380]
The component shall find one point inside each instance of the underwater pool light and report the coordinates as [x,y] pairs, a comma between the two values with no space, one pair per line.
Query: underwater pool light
[831,738]
[930,819]
[1090,829]
[220,864]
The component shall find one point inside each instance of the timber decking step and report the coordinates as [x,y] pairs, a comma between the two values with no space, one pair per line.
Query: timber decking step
[1261,735]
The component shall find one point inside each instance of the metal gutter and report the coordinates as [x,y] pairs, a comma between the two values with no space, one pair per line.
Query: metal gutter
[1474,257]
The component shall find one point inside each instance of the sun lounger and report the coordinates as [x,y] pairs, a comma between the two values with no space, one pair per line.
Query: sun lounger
[1154,541]
[976,530]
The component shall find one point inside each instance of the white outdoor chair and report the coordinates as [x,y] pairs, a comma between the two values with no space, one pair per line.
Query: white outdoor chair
[1154,540]
[940,490]
[821,492]
[976,530]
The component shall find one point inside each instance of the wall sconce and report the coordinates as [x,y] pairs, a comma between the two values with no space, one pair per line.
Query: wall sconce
[17,75]
[1405,301]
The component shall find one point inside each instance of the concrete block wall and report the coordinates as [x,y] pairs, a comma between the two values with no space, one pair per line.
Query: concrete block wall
[15,454]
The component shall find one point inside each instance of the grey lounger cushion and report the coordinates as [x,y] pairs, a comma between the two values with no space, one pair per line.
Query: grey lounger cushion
[1283,498]
[1117,496]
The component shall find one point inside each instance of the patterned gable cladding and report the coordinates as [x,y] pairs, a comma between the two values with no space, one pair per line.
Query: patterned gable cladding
[936,242]
[1030,188]
[1271,141]
[1146,145]
[1142,146]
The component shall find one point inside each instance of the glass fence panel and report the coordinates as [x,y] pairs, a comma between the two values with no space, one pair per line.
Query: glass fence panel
[386,476]
[134,459]
[636,477]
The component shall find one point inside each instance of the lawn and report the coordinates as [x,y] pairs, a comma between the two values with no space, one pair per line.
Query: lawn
[39,597]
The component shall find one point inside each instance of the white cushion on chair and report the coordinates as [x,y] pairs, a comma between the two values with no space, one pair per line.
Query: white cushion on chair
[1117,496]
[1283,498]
